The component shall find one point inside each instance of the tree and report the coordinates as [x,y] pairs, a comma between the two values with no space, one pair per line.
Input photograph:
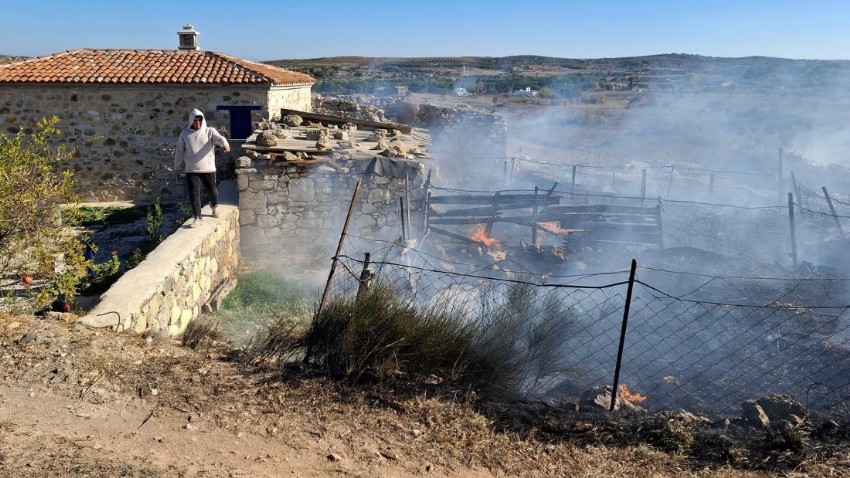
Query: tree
[32,188]
[546,93]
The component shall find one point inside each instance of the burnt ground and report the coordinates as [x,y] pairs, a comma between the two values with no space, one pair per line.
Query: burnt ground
[87,402]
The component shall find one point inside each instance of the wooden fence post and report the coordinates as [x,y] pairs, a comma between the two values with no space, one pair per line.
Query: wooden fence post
[334,263]
[832,209]
[366,276]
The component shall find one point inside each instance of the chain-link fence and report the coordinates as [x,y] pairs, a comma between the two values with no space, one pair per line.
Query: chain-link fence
[697,342]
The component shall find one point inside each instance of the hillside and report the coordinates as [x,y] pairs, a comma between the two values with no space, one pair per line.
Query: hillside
[627,73]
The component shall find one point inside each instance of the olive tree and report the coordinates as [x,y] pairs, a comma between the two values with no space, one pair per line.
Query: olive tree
[34,247]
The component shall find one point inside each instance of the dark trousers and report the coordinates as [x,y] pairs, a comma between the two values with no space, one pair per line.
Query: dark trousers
[193,184]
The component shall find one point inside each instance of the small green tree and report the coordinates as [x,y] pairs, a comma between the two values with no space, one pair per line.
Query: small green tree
[32,188]
[546,93]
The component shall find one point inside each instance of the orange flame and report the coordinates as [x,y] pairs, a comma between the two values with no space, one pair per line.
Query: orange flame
[629,395]
[554,227]
[480,234]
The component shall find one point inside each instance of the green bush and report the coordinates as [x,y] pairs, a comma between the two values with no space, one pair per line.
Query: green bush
[32,189]
[155,219]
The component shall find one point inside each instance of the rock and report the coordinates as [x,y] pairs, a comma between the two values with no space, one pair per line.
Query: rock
[334,457]
[29,337]
[381,146]
[378,135]
[282,134]
[316,134]
[292,120]
[266,139]
[342,135]
[324,144]
[754,415]
[781,407]
[243,162]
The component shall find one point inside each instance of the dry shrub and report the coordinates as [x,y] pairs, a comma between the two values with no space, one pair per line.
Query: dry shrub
[276,343]
[524,333]
[509,347]
[380,335]
[202,331]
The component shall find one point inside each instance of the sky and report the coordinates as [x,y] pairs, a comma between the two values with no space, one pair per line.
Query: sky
[287,29]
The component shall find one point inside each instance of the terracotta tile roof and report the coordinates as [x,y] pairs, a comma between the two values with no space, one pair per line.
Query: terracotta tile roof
[147,67]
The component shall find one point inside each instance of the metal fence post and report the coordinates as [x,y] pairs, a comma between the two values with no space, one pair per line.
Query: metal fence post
[623,334]
[534,220]
[793,231]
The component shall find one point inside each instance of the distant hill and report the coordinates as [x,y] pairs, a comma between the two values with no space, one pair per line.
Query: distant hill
[500,75]
[9,58]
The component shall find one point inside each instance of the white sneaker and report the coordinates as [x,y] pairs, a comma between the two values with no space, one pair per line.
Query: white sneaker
[215,211]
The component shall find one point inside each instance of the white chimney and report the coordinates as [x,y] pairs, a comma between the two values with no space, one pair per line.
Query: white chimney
[188,38]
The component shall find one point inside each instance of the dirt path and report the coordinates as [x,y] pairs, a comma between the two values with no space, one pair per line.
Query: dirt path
[79,402]
[43,433]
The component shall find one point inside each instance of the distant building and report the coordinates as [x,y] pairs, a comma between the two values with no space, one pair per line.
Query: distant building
[123,109]
[401,90]
[461,92]
[525,92]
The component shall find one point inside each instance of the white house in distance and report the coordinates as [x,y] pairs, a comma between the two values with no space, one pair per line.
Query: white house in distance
[527,91]
[123,109]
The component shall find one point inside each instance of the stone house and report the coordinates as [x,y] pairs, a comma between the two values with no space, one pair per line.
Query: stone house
[123,109]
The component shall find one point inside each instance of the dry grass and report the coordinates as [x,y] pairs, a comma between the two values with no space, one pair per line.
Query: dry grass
[204,330]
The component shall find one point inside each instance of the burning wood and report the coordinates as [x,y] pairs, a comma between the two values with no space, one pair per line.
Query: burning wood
[629,395]
[554,227]
[479,234]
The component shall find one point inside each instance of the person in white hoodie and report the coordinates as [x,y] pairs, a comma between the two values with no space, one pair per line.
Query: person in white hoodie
[195,154]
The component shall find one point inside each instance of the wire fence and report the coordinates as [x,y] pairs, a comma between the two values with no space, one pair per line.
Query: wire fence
[703,343]
[679,182]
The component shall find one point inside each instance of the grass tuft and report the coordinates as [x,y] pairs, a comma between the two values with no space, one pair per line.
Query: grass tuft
[202,331]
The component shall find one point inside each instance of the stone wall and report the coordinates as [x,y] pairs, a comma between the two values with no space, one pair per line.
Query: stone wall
[290,97]
[168,289]
[298,211]
[125,134]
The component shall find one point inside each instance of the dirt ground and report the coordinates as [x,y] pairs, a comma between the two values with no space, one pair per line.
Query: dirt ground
[79,402]
[84,402]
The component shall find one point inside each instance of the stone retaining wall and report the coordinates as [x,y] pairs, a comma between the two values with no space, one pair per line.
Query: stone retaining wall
[168,289]
[299,210]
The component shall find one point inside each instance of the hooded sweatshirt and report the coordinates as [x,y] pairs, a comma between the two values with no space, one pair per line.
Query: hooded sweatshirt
[196,148]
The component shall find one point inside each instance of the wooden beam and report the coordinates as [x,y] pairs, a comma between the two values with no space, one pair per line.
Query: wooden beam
[406,129]
[503,201]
